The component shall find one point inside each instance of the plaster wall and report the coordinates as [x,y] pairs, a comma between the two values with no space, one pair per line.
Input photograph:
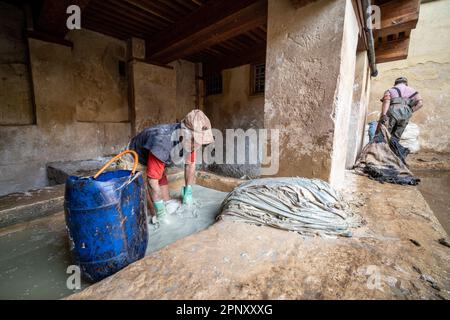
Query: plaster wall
[80,110]
[343,97]
[101,91]
[428,71]
[83,108]
[161,94]
[309,78]
[154,94]
[235,107]
[16,106]
[186,88]
[358,112]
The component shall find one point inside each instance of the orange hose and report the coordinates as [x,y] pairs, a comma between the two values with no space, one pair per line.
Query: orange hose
[135,155]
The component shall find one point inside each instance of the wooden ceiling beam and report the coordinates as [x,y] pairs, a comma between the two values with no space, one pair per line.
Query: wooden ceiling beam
[398,18]
[227,46]
[53,16]
[257,54]
[100,25]
[213,52]
[126,13]
[154,9]
[227,28]
[115,24]
[233,44]
[135,12]
[244,45]
[187,5]
[260,33]
[398,15]
[94,26]
[202,18]
[197,2]
[172,6]
[395,30]
[253,37]
[120,20]
[392,51]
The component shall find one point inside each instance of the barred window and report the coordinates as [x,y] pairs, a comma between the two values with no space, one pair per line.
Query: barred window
[213,84]
[258,78]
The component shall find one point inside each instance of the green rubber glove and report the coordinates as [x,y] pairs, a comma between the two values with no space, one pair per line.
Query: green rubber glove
[186,192]
[160,208]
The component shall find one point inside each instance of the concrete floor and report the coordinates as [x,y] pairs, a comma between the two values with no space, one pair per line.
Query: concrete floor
[396,255]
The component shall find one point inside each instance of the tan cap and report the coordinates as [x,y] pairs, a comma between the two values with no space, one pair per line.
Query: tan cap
[199,125]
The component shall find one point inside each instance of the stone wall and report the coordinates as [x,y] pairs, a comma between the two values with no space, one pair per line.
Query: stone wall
[162,94]
[358,114]
[82,100]
[16,106]
[154,94]
[101,91]
[61,81]
[428,71]
[235,107]
[186,89]
[309,77]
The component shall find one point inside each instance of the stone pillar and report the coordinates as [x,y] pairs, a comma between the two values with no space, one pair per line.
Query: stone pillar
[135,50]
[309,77]
[358,112]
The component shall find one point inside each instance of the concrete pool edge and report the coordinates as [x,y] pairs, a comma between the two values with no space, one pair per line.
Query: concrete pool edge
[26,206]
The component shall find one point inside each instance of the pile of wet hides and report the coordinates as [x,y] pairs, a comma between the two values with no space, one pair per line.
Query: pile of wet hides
[306,206]
[384,159]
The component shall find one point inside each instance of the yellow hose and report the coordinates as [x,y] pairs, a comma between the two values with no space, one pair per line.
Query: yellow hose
[135,155]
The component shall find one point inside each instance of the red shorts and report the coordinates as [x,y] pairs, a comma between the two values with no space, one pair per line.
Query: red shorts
[155,168]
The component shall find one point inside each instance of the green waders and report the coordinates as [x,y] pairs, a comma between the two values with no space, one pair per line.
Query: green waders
[399,113]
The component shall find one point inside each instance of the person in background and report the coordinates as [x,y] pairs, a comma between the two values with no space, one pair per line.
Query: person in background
[398,105]
[155,146]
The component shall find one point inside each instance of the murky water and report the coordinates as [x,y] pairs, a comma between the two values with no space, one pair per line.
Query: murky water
[435,188]
[34,258]
[33,261]
[186,220]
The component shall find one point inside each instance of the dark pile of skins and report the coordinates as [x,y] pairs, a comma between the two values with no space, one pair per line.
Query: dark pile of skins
[384,160]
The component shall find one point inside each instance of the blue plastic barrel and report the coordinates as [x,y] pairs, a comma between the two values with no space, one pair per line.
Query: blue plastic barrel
[106,221]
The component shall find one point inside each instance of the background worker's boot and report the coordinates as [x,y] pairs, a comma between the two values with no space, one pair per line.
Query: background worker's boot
[186,193]
[160,208]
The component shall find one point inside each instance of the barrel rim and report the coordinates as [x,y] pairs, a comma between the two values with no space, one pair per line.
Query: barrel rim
[73,180]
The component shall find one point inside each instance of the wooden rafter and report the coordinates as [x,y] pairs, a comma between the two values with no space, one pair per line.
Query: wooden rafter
[257,53]
[392,51]
[398,18]
[214,22]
